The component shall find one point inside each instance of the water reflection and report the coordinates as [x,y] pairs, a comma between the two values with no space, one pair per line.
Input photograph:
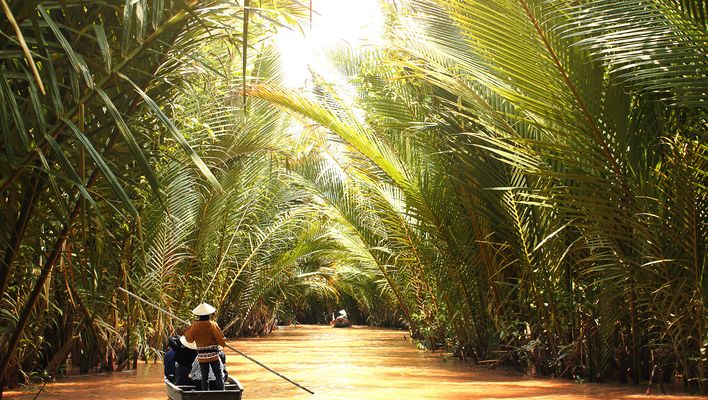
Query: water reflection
[355,363]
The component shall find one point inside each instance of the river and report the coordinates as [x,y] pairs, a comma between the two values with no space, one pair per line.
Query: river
[356,363]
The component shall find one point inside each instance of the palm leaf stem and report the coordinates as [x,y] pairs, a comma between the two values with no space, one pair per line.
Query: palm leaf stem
[29,201]
[486,257]
[244,58]
[79,303]
[23,44]
[574,91]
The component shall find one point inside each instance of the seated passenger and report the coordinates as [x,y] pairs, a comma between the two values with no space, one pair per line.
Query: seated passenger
[185,354]
[169,361]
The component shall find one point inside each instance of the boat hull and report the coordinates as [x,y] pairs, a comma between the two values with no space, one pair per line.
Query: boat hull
[233,391]
[341,323]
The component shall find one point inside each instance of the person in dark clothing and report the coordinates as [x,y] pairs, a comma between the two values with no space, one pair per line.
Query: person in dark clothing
[208,337]
[170,364]
[185,353]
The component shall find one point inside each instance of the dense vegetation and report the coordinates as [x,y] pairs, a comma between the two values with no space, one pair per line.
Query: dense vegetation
[520,182]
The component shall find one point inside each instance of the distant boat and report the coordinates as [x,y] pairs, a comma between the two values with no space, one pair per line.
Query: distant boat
[233,390]
[340,322]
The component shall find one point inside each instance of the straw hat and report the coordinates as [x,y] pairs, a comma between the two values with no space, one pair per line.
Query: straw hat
[204,309]
[185,343]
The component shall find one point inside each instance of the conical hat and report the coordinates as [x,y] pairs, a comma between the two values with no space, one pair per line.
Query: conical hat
[204,309]
[185,343]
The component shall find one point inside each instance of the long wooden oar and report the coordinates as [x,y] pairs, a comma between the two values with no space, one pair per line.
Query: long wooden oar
[227,345]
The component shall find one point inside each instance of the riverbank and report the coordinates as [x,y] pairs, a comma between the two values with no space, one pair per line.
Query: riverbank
[359,362]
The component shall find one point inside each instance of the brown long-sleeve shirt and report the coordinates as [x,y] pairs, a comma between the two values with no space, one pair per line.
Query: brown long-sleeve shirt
[207,336]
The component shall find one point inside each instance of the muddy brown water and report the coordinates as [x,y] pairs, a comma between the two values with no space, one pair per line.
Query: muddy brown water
[355,363]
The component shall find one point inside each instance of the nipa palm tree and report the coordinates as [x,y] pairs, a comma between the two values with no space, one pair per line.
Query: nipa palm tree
[537,146]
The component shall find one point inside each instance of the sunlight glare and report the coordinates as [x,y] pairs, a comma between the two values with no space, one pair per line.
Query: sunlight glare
[354,23]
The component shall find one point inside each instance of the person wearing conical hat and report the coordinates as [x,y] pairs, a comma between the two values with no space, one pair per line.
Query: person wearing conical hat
[207,335]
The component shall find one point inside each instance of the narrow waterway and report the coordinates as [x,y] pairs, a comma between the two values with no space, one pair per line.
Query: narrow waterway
[356,363]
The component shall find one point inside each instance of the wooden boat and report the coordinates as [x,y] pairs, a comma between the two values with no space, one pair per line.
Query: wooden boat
[340,322]
[233,390]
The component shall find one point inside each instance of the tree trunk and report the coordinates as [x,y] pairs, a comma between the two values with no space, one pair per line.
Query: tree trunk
[61,355]
[28,202]
[35,294]
[46,270]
